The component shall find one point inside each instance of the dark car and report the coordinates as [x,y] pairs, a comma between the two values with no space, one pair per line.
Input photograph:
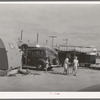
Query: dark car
[37,57]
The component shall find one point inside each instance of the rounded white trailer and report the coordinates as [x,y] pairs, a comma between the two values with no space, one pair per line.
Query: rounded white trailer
[10,57]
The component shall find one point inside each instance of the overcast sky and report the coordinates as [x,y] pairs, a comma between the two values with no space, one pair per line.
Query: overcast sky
[79,23]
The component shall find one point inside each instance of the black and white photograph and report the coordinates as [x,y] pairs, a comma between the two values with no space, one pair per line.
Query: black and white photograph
[49,47]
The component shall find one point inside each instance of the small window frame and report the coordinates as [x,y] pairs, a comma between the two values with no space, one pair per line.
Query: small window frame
[11,45]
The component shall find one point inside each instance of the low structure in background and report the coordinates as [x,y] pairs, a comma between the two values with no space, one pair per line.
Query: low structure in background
[87,56]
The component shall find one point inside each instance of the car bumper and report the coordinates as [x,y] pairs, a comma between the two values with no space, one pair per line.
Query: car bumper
[54,65]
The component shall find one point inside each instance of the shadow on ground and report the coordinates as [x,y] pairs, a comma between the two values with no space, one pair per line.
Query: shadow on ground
[60,73]
[94,88]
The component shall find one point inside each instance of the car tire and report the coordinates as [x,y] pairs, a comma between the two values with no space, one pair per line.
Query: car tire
[49,68]
[41,65]
[56,61]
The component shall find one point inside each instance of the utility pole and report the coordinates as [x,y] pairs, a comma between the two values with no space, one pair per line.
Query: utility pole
[66,40]
[37,37]
[56,45]
[52,39]
[46,41]
[28,41]
[21,35]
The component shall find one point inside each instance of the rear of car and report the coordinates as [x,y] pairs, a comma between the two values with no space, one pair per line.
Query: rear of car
[54,61]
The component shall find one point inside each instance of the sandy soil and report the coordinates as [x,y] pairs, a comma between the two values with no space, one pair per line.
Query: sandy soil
[51,81]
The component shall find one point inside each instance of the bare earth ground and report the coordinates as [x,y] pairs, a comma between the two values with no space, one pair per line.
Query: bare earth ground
[51,81]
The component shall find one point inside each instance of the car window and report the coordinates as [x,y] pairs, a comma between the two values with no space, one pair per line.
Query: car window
[49,53]
[37,53]
[41,53]
[29,53]
[33,53]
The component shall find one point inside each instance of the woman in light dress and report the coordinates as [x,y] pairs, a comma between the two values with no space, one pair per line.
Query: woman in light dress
[47,64]
[75,65]
[66,66]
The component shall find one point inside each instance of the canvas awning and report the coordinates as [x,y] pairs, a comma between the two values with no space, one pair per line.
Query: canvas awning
[77,48]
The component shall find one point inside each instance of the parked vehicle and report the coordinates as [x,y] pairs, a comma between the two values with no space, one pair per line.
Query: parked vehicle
[36,57]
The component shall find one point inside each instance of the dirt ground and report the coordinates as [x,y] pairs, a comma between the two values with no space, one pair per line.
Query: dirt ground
[51,81]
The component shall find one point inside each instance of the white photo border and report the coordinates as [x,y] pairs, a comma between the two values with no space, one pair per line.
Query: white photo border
[57,94]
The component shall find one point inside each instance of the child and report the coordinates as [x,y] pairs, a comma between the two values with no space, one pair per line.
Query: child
[75,65]
[66,66]
[47,64]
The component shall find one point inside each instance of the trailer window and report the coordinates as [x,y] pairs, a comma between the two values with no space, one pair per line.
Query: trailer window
[11,45]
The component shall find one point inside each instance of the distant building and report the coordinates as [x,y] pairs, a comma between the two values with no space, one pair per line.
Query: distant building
[86,55]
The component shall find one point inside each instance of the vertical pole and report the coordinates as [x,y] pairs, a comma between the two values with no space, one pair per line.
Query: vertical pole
[46,41]
[28,41]
[52,42]
[74,52]
[66,40]
[37,37]
[56,45]
[53,38]
[21,34]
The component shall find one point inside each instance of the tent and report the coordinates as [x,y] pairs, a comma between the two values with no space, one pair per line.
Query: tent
[9,54]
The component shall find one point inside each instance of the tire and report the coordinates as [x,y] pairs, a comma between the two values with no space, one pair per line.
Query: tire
[41,65]
[56,61]
[49,68]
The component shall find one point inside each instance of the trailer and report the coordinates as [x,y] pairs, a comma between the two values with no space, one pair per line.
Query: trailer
[9,54]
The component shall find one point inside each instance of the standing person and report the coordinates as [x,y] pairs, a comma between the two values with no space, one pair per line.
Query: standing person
[66,66]
[21,57]
[75,65]
[47,64]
